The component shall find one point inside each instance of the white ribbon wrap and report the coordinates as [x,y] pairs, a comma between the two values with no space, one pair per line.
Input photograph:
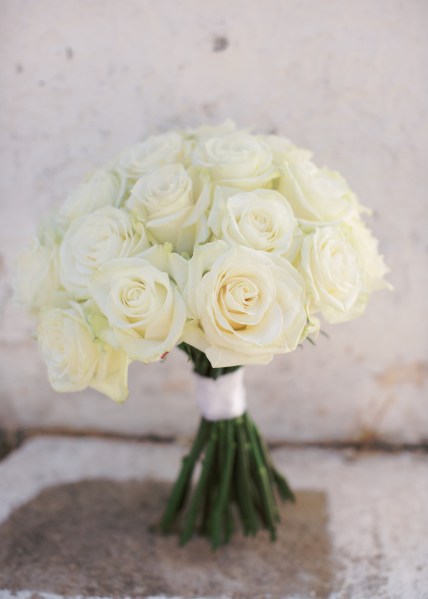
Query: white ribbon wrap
[223,398]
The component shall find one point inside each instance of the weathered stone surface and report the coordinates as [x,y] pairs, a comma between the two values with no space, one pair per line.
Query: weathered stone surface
[76,518]
[94,537]
[346,79]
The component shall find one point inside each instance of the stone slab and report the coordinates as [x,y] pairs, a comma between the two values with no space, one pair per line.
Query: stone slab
[346,79]
[77,516]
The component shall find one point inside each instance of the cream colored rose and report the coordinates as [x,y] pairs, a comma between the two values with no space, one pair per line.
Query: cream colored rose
[75,359]
[281,147]
[144,309]
[342,268]
[100,188]
[245,306]
[92,241]
[261,219]
[36,284]
[236,160]
[371,263]
[172,206]
[156,151]
[316,195]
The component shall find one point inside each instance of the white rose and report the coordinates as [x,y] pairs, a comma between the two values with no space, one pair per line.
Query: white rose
[342,268]
[172,206]
[36,284]
[281,147]
[245,305]
[261,219]
[143,306]
[155,151]
[236,160]
[75,359]
[371,263]
[94,240]
[100,188]
[317,195]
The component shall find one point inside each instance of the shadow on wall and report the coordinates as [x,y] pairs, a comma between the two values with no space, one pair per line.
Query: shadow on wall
[96,538]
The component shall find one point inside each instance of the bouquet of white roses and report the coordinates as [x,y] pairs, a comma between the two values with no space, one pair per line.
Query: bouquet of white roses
[223,243]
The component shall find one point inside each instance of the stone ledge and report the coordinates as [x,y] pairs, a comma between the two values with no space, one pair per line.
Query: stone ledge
[75,518]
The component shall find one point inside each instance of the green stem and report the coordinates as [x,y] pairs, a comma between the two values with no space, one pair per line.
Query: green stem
[237,470]
[180,489]
[264,453]
[227,452]
[191,516]
[284,490]
[264,487]
[243,487]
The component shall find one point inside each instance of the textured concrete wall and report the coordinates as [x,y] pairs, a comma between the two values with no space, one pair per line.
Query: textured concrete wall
[80,79]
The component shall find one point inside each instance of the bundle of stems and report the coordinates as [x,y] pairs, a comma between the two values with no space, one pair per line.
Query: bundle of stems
[237,475]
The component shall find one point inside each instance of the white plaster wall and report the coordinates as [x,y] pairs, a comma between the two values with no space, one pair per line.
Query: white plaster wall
[348,79]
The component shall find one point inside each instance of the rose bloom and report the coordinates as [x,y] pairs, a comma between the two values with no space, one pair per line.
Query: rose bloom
[261,219]
[245,306]
[172,206]
[316,195]
[236,160]
[281,147]
[92,241]
[142,304]
[342,268]
[155,151]
[75,359]
[36,284]
[99,189]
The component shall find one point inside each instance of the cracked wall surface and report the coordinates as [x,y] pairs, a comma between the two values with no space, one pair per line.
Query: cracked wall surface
[80,80]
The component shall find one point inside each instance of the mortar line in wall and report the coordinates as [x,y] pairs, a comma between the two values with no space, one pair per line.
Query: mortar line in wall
[12,439]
